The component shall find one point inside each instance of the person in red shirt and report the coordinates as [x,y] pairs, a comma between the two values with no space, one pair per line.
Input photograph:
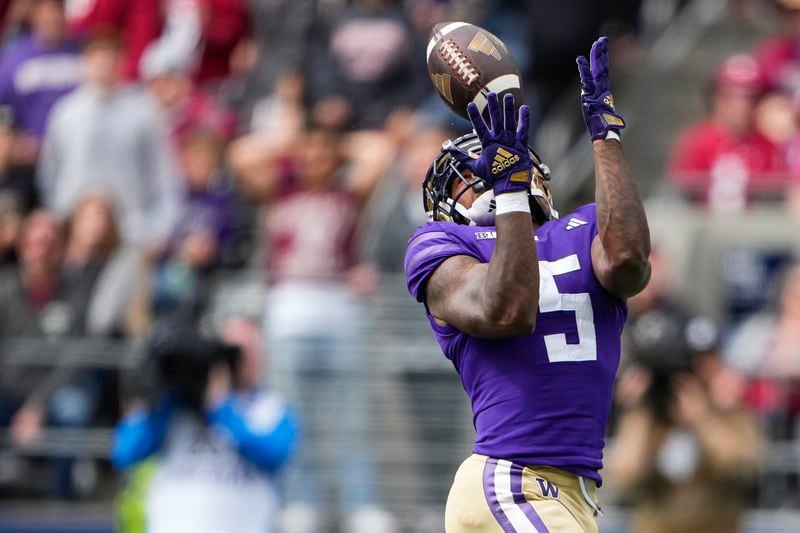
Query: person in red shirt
[225,25]
[778,56]
[137,23]
[719,160]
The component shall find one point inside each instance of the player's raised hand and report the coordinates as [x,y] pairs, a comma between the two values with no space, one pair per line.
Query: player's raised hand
[505,161]
[597,103]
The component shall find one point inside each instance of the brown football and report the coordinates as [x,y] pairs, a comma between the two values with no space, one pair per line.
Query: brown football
[467,62]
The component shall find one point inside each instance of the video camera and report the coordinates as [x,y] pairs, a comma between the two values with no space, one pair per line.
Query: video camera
[666,341]
[179,360]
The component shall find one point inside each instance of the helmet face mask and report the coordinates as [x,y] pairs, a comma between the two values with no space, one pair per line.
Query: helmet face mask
[441,206]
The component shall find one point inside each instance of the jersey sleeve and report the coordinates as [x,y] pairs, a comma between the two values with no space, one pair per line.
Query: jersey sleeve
[428,248]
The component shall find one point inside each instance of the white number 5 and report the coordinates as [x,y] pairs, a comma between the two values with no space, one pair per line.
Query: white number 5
[558,351]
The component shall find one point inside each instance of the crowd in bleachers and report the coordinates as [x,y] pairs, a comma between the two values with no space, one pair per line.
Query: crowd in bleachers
[700,401]
[147,146]
[747,147]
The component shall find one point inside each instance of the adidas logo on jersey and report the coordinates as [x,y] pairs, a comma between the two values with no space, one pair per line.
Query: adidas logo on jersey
[575,223]
[502,160]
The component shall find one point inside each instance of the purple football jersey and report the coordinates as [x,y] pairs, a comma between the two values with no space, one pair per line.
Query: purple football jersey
[544,399]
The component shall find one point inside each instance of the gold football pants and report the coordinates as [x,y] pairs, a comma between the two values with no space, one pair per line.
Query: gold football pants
[497,496]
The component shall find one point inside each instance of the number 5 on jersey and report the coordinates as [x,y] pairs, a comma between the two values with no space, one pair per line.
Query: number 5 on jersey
[550,300]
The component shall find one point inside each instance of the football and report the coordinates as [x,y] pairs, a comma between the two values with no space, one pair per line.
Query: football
[466,63]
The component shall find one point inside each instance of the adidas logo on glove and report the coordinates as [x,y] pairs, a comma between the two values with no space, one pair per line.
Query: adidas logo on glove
[502,160]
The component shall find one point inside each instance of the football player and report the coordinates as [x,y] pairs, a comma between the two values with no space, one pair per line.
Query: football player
[529,308]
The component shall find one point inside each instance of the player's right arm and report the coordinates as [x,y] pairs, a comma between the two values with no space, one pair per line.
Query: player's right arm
[498,299]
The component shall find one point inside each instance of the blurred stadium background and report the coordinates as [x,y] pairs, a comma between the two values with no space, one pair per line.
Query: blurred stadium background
[262,158]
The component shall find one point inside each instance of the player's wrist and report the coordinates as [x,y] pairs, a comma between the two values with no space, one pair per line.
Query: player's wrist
[512,202]
[604,125]
[611,136]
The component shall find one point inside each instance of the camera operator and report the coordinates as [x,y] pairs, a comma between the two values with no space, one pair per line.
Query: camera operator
[217,439]
[687,450]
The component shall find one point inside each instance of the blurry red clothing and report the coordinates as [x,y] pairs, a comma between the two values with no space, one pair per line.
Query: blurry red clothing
[202,111]
[225,25]
[766,395]
[777,58]
[700,147]
[310,235]
[707,152]
[137,23]
[4,4]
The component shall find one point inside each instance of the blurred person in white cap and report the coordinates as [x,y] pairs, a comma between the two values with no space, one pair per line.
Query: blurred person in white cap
[187,107]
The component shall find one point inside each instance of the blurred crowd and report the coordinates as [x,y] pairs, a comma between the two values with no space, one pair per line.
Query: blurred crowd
[700,401]
[148,148]
[746,149]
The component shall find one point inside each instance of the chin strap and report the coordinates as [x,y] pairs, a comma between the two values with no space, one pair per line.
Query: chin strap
[482,211]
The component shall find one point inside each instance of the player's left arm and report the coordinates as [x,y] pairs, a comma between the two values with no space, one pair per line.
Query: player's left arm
[621,250]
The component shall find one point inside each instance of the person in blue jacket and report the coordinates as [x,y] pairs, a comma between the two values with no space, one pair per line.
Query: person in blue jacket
[218,439]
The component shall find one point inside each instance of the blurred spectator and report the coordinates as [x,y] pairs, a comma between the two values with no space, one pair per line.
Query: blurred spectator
[99,266]
[692,472]
[225,25]
[314,322]
[4,5]
[766,348]
[29,291]
[203,237]
[10,226]
[136,23]
[186,107]
[277,119]
[109,137]
[37,300]
[17,182]
[778,56]
[177,49]
[218,438]
[281,34]
[366,66]
[660,340]
[687,449]
[722,160]
[394,210]
[37,69]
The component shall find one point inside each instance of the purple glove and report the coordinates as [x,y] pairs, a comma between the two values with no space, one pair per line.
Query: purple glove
[597,103]
[504,161]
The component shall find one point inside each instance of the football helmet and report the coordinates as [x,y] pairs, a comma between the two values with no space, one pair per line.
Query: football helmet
[437,188]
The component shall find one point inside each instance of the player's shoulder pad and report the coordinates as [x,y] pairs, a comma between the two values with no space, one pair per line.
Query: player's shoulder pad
[428,247]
